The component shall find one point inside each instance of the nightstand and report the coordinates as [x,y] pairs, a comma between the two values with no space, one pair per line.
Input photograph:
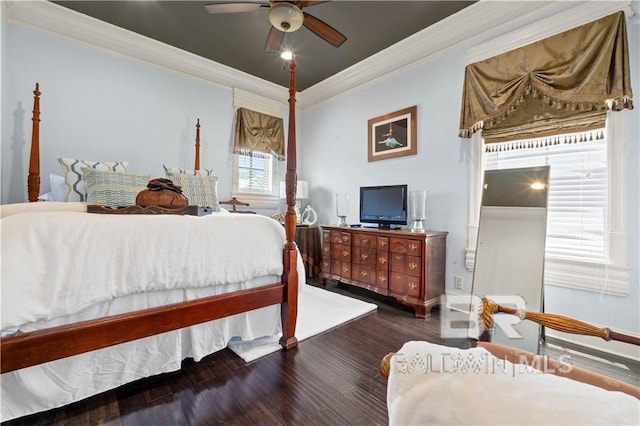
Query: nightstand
[308,240]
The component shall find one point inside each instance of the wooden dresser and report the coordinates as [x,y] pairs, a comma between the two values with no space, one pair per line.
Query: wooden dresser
[405,265]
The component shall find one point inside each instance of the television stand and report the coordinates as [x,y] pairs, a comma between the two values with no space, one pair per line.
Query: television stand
[409,266]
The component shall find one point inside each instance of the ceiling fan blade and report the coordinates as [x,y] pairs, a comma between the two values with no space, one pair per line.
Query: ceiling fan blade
[308,3]
[274,40]
[323,30]
[235,6]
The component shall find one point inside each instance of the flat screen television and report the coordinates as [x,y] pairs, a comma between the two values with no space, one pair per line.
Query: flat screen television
[385,206]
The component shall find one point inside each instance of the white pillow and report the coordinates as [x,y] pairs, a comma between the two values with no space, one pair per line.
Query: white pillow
[76,189]
[58,187]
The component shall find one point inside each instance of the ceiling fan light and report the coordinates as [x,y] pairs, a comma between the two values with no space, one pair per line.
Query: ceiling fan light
[286,17]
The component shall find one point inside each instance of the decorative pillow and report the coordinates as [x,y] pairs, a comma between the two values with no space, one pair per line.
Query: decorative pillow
[76,188]
[113,189]
[200,190]
[170,170]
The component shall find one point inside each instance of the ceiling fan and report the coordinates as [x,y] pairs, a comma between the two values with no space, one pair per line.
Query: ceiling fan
[285,17]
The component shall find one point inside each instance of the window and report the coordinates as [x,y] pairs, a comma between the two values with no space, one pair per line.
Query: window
[586,236]
[256,174]
[255,179]
[577,205]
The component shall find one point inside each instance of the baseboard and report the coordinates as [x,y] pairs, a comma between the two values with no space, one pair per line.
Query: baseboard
[611,351]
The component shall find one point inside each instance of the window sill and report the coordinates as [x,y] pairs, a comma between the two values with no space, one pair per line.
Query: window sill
[596,277]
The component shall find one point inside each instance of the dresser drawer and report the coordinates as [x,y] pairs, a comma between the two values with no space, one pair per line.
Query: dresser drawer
[367,257]
[404,285]
[404,246]
[382,243]
[326,250]
[382,279]
[341,253]
[410,265]
[382,260]
[364,241]
[366,275]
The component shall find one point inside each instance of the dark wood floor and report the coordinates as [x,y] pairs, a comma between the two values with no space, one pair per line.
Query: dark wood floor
[330,379]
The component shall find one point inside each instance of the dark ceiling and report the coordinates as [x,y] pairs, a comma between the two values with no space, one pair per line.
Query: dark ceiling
[237,40]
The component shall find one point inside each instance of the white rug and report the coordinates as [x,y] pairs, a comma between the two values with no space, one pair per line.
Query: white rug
[318,310]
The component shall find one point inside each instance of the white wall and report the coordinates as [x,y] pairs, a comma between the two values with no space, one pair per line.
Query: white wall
[3,38]
[101,107]
[335,160]
[335,156]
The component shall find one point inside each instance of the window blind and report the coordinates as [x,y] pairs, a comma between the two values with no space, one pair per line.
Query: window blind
[578,194]
[255,172]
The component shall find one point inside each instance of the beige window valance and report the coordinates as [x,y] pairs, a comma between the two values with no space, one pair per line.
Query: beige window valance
[562,84]
[257,132]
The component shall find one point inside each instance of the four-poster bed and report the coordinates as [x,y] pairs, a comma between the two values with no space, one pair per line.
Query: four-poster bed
[247,297]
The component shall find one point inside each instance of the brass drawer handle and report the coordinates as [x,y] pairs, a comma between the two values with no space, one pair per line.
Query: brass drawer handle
[345,238]
[413,265]
[345,270]
[364,273]
[364,242]
[345,253]
[326,250]
[398,257]
[382,278]
[413,246]
[413,285]
[382,243]
[382,260]
[325,265]
[364,256]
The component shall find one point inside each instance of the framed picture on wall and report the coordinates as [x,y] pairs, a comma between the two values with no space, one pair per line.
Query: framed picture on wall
[393,135]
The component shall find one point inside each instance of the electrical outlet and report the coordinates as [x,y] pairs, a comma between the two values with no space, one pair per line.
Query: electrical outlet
[457,283]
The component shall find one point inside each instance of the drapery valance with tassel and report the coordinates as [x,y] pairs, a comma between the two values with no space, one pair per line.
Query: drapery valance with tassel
[258,132]
[562,84]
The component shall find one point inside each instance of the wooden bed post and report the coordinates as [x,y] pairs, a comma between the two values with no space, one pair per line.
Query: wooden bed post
[290,277]
[197,165]
[33,180]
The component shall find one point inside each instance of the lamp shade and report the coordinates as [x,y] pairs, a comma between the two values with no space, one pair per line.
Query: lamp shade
[285,16]
[302,190]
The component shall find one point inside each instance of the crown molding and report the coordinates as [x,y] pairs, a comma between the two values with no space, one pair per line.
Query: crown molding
[555,23]
[55,19]
[486,18]
[439,38]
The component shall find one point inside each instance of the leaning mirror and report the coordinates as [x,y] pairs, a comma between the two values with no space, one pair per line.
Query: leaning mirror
[509,260]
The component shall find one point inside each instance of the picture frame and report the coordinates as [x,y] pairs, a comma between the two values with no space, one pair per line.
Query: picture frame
[393,135]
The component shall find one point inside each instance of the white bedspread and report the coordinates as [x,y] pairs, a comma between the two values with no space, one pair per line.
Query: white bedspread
[61,263]
[167,259]
[431,384]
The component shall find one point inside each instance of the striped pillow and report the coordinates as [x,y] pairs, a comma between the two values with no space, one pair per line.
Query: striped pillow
[113,189]
[200,190]
[76,188]
[170,170]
